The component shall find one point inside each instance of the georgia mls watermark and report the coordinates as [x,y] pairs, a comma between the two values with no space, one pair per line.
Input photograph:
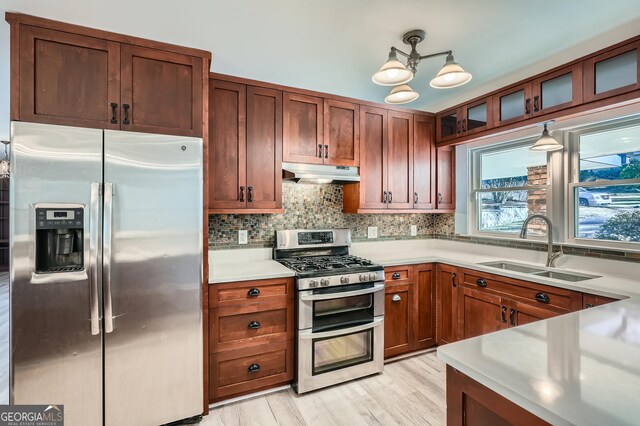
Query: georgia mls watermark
[31,415]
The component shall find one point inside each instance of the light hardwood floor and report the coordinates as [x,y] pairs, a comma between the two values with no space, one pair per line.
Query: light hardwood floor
[411,391]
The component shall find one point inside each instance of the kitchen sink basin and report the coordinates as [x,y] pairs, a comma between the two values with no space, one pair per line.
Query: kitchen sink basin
[511,266]
[563,276]
[539,272]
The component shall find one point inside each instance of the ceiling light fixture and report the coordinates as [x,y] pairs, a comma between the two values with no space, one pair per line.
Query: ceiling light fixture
[546,142]
[4,163]
[394,72]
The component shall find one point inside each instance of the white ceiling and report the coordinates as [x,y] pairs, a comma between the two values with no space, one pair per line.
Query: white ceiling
[336,45]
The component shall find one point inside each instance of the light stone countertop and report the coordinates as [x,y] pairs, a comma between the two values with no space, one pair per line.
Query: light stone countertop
[578,368]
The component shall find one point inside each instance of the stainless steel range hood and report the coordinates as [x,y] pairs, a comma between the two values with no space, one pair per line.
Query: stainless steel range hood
[319,173]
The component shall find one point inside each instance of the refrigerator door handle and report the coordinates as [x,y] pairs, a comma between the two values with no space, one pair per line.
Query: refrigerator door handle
[106,262]
[93,258]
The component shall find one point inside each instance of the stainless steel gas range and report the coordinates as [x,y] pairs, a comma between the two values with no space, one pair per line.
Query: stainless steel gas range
[340,307]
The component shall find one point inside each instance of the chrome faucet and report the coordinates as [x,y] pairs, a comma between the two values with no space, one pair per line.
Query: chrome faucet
[551,255]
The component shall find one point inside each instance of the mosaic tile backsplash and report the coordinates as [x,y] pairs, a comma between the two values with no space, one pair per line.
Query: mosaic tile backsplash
[319,206]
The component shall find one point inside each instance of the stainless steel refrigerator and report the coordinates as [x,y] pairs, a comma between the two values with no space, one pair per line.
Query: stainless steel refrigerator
[106,273]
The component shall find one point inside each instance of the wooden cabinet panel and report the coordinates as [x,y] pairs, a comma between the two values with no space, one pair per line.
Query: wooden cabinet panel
[161,91]
[557,90]
[477,116]
[68,79]
[248,292]
[303,140]
[398,323]
[373,170]
[227,145]
[612,73]
[592,300]
[400,160]
[448,124]
[479,313]
[264,148]
[446,178]
[341,133]
[522,313]
[447,304]
[424,306]
[424,165]
[249,370]
[398,274]
[512,105]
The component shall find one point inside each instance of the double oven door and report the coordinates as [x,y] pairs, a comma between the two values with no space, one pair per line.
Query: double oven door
[340,334]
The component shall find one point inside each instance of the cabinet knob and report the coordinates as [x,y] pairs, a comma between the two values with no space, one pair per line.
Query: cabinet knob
[253,325]
[396,275]
[543,298]
[253,368]
[254,292]
[396,298]
[481,282]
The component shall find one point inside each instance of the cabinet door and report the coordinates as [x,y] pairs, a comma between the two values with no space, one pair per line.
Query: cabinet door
[446,304]
[612,73]
[448,125]
[161,92]
[479,313]
[227,145]
[592,300]
[512,105]
[557,90]
[373,153]
[477,116]
[424,317]
[68,79]
[400,160]
[521,313]
[264,148]
[341,133]
[424,167]
[398,325]
[302,140]
[446,178]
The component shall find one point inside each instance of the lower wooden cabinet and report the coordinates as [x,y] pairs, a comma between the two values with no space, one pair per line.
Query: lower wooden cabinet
[251,332]
[398,319]
[479,313]
[592,300]
[425,303]
[446,304]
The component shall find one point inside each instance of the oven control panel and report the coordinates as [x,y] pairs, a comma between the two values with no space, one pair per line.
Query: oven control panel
[317,237]
[339,280]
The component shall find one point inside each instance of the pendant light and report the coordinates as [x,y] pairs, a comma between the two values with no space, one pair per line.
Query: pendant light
[4,163]
[546,142]
[393,72]
[451,75]
[402,94]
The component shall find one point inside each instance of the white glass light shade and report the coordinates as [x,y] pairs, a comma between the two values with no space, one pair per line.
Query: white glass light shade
[4,169]
[451,75]
[546,142]
[401,95]
[392,73]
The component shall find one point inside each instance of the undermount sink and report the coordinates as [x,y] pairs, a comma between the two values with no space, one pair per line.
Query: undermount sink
[556,275]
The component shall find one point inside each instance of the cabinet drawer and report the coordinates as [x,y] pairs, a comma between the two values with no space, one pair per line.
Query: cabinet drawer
[536,294]
[398,274]
[249,370]
[247,292]
[236,327]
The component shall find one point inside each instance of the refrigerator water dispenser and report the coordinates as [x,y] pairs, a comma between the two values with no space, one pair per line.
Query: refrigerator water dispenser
[59,240]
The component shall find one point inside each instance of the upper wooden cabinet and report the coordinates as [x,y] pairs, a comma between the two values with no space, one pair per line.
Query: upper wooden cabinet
[341,133]
[303,140]
[446,178]
[245,148]
[557,90]
[69,75]
[424,163]
[512,105]
[465,120]
[611,73]
[400,161]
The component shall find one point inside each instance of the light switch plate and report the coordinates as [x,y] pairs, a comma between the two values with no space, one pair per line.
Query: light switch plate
[242,236]
[372,232]
[414,230]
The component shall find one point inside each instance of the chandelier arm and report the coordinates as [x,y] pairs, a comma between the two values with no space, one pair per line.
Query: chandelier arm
[446,52]
[406,55]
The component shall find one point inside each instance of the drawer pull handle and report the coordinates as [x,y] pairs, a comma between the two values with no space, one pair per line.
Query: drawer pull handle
[542,298]
[396,298]
[396,275]
[254,292]
[253,368]
[504,314]
[253,325]
[481,282]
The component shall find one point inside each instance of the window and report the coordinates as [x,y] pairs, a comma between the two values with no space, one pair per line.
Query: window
[510,183]
[605,183]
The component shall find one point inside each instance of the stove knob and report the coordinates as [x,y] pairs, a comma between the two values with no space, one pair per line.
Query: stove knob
[313,283]
[372,276]
[344,279]
[363,277]
[325,282]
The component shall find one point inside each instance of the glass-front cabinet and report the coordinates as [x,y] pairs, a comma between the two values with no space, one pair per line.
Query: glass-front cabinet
[512,105]
[612,73]
[465,120]
[557,90]
[448,124]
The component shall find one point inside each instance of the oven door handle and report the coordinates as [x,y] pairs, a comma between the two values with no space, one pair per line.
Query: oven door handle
[309,334]
[310,297]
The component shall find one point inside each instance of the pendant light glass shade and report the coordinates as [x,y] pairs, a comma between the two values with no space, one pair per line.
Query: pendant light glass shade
[546,142]
[393,72]
[451,75]
[402,94]
[4,163]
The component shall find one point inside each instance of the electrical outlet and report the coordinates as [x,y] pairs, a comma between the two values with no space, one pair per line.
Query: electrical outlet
[242,236]
[414,230]
[372,232]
